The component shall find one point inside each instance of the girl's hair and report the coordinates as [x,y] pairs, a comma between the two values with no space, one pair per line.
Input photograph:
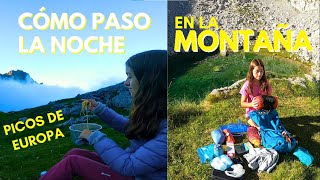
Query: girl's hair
[150,101]
[263,81]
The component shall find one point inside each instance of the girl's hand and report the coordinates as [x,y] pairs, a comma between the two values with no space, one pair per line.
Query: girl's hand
[254,103]
[85,134]
[93,102]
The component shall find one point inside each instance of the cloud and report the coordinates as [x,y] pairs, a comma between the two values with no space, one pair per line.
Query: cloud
[15,96]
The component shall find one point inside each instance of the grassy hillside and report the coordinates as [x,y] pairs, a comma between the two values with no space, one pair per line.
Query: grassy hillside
[193,78]
[194,114]
[29,162]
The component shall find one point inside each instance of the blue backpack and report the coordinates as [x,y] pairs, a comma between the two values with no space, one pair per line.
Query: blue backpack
[271,131]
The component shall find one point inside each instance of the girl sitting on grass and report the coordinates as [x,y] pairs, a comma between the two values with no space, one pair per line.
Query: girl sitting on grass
[146,128]
[256,84]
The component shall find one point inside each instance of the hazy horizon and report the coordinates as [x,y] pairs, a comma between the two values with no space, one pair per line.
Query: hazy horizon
[65,75]
[16,96]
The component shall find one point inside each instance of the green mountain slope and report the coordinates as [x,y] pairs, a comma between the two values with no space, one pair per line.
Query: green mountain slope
[27,163]
[194,114]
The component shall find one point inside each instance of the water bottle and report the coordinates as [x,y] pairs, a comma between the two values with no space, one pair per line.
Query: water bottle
[217,150]
[230,144]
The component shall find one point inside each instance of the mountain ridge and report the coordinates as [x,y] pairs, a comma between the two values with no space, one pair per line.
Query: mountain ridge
[18,76]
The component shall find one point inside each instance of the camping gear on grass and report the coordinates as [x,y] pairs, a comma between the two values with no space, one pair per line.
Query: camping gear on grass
[237,171]
[221,162]
[217,150]
[304,156]
[221,175]
[206,153]
[262,158]
[236,129]
[267,102]
[254,136]
[218,136]
[230,143]
[209,152]
[247,146]
[76,129]
[273,134]
[240,149]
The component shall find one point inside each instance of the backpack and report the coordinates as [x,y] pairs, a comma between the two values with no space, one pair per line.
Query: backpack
[271,131]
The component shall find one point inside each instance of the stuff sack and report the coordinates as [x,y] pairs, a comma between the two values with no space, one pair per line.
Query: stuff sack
[267,102]
[218,136]
[273,134]
[206,153]
[304,156]
[221,163]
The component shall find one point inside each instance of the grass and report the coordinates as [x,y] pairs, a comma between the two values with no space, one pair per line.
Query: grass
[27,163]
[198,79]
[193,116]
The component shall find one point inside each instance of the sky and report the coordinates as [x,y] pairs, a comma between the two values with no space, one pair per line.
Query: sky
[83,72]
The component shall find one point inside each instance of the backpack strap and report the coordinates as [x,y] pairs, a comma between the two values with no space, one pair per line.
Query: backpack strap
[280,128]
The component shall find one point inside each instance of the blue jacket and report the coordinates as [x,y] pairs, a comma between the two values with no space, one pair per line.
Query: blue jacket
[143,159]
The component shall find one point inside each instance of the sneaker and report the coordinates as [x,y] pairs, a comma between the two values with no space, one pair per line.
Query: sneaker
[43,173]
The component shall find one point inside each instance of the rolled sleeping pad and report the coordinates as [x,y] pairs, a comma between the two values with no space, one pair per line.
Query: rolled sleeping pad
[267,102]
[218,136]
[253,136]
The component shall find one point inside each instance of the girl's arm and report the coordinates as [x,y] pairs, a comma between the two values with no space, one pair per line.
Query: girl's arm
[244,95]
[113,119]
[148,158]
[245,104]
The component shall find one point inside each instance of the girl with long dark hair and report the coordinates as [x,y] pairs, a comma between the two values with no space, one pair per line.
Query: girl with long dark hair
[146,128]
[256,84]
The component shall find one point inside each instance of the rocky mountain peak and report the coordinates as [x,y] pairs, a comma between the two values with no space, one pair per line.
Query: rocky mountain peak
[256,15]
[17,75]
